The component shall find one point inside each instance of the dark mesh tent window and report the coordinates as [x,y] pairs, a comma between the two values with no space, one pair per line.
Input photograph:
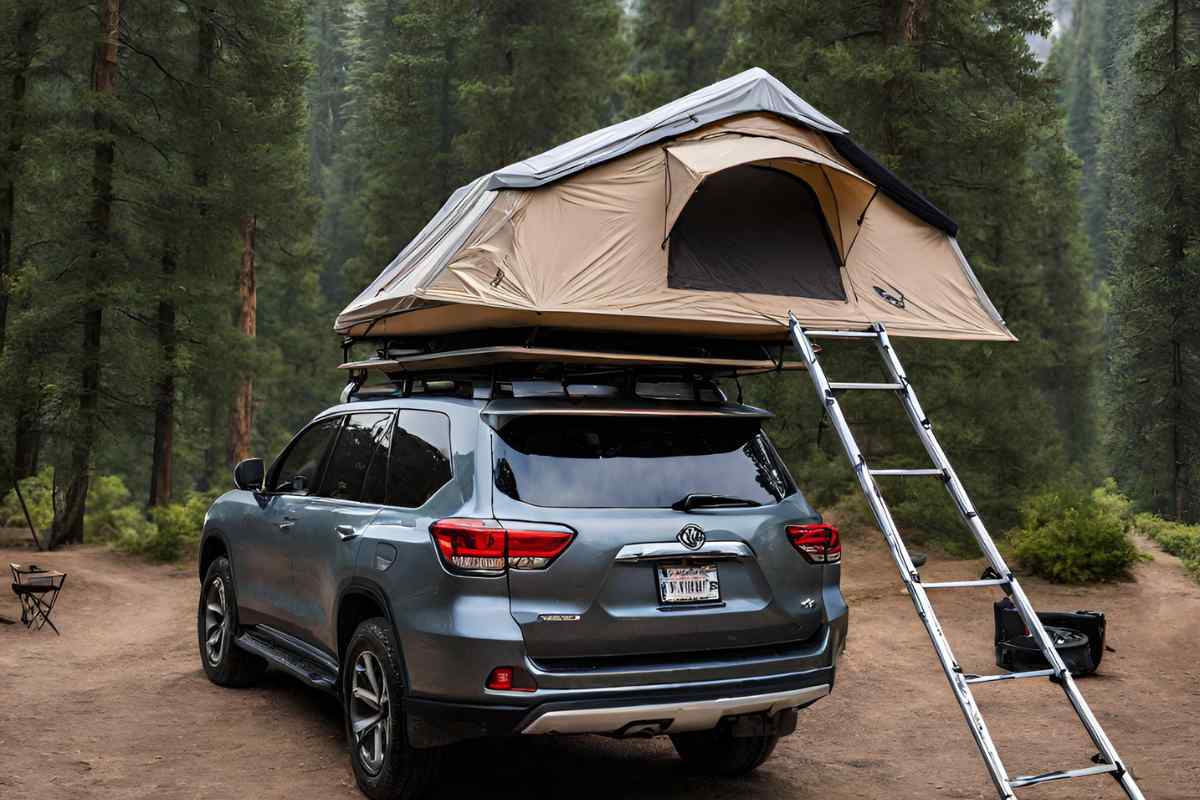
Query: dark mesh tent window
[755,230]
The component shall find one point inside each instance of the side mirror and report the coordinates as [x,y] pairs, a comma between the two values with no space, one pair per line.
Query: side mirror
[249,474]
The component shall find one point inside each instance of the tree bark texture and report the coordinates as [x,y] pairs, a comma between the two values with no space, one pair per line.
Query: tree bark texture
[68,526]
[26,30]
[241,417]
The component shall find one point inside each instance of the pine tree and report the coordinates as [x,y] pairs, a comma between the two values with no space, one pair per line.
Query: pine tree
[444,90]
[1152,147]
[677,47]
[951,98]
[1083,61]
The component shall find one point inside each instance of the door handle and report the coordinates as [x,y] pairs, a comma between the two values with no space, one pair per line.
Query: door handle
[346,532]
[287,523]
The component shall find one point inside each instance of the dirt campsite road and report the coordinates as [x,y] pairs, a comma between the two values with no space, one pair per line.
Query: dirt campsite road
[119,708]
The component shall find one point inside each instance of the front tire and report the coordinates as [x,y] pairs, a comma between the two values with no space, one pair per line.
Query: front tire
[719,752]
[216,626]
[385,766]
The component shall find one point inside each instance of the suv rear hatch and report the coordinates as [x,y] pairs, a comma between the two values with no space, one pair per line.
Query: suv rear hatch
[681,542]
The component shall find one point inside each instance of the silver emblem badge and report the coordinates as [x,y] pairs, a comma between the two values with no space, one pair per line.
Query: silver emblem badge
[691,537]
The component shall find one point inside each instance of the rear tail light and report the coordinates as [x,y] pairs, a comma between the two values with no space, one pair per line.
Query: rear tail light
[488,547]
[817,542]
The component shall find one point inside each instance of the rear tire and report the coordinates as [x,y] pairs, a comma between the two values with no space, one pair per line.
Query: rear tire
[718,752]
[385,766]
[225,663]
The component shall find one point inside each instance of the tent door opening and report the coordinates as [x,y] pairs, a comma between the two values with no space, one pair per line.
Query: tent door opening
[755,230]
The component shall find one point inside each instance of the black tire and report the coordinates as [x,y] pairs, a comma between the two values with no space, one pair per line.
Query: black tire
[226,664]
[402,772]
[719,752]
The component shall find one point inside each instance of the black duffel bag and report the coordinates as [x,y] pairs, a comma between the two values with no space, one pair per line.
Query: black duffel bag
[1078,636]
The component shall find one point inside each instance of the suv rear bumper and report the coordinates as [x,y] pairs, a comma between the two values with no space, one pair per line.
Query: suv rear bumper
[646,712]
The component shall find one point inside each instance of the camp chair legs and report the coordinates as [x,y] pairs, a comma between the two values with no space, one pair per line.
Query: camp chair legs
[999,577]
[37,590]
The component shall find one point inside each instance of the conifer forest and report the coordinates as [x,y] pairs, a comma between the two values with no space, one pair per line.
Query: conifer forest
[190,191]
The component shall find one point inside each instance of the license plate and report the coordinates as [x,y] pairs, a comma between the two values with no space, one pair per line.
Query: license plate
[689,584]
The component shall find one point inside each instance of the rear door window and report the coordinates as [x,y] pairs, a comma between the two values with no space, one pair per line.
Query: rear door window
[632,462]
[420,460]
[360,454]
[301,464]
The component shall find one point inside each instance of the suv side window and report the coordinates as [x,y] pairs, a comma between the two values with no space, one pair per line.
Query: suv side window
[360,454]
[420,460]
[300,466]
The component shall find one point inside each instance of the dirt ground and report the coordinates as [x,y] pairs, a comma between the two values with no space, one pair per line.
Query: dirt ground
[118,707]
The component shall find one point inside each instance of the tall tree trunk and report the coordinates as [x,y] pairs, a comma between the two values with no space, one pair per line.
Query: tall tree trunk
[164,401]
[26,431]
[168,335]
[68,526]
[26,30]
[241,418]
[1177,247]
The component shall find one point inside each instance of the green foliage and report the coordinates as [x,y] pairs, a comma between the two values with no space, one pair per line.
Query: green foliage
[38,493]
[1152,152]
[111,512]
[678,47]
[1072,536]
[1176,538]
[172,533]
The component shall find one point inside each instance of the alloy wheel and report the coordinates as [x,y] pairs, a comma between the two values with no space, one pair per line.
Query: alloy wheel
[216,622]
[370,711]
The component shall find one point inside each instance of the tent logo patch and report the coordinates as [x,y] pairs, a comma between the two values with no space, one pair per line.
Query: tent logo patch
[895,299]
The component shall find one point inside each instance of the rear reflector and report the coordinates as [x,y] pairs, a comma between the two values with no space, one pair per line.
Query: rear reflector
[510,679]
[817,542]
[487,547]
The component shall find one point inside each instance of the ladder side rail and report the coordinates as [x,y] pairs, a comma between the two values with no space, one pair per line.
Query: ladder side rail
[1028,614]
[908,571]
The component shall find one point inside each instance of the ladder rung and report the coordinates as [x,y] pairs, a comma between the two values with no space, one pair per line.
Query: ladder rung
[909,472]
[842,334]
[1061,775]
[965,584]
[1010,676]
[891,386]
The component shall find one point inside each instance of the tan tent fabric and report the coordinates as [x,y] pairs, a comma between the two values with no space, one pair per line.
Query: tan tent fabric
[588,251]
[842,192]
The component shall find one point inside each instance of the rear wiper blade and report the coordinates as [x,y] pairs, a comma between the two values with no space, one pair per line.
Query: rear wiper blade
[694,500]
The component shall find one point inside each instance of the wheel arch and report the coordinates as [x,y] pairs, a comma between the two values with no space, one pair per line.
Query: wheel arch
[213,545]
[359,600]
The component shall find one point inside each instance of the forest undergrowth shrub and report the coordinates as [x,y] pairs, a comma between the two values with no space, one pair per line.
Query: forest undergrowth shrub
[36,490]
[1176,538]
[1071,535]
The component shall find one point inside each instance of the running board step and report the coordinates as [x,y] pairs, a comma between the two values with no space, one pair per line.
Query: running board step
[278,655]
[1061,775]
[1010,676]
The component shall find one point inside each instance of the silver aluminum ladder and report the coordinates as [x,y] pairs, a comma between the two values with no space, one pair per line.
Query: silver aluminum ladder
[1107,761]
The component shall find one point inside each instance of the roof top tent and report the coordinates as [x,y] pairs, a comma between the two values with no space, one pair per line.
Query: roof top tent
[712,216]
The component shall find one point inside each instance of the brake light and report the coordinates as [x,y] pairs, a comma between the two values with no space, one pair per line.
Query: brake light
[817,542]
[487,547]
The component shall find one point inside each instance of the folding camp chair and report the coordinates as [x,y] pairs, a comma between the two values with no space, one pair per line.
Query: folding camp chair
[37,589]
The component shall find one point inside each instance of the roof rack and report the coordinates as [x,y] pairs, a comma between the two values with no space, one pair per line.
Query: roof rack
[516,362]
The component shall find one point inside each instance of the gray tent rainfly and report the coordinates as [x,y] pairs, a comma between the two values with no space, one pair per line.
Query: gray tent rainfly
[714,215]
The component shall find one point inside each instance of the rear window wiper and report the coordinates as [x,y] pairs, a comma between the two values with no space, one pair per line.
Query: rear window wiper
[693,500]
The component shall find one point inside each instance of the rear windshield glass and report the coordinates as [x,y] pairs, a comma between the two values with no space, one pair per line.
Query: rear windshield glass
[632,462]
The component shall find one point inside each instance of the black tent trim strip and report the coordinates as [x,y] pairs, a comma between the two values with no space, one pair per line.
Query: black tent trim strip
[892,186]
